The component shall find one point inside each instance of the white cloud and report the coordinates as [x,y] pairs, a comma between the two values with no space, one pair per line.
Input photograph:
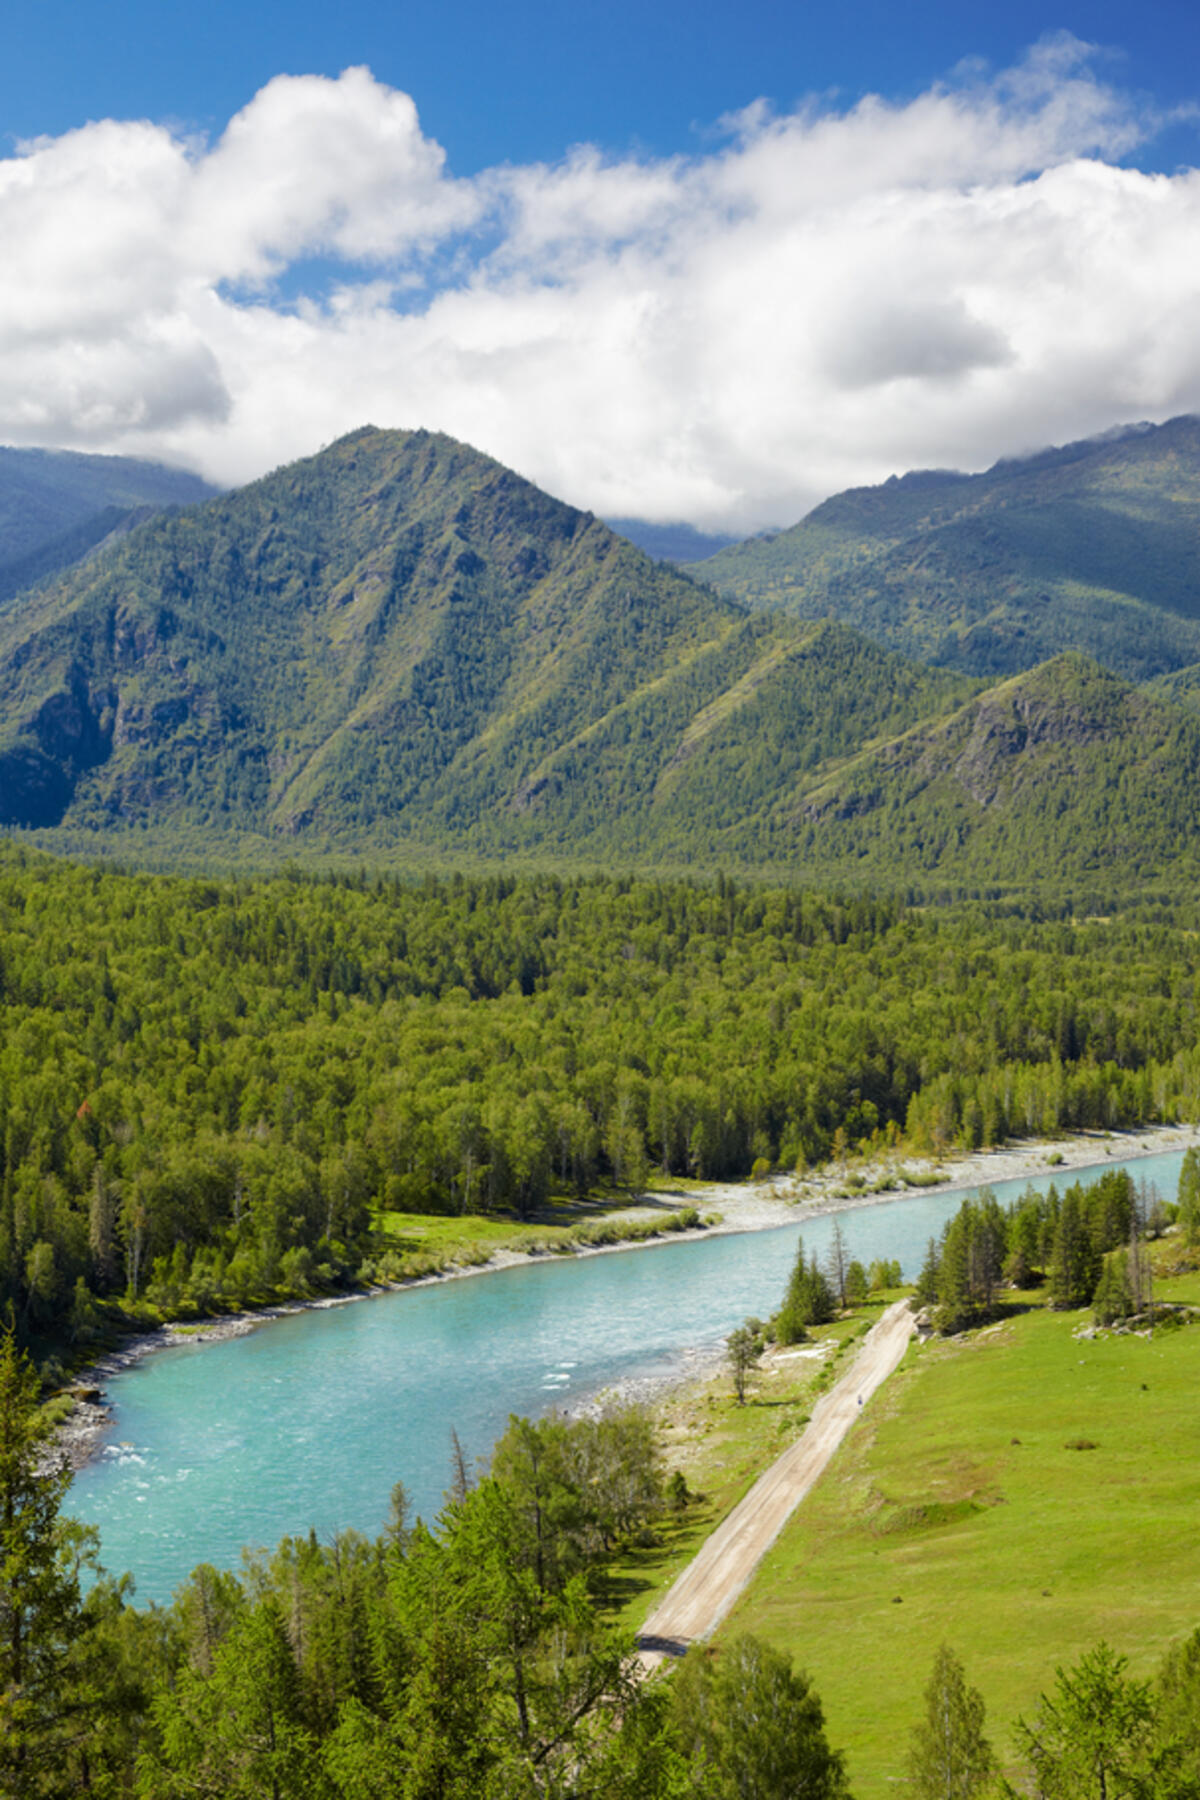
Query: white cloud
[819,299]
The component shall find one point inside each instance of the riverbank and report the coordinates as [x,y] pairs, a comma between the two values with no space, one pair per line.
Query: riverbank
[742,1207]
[838,1187]
[788,1200]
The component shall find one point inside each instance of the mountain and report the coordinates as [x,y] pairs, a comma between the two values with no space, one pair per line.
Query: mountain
[1180,688]
[400,649]
[1063,770]
[400,639]
[1092,547]
[671,543]
[56,506]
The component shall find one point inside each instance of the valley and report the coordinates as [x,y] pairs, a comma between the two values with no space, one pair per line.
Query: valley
[401,870]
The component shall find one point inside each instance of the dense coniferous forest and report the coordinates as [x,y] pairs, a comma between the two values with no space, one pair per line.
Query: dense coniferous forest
[211,1089]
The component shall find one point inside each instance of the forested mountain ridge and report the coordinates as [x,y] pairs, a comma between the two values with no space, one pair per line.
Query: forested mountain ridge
[402,634]
[56,506]
[329,639]
[1094,547]
[400,648]
[1061,771]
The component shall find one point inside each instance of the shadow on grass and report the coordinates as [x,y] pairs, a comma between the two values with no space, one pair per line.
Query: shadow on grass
[638,1568]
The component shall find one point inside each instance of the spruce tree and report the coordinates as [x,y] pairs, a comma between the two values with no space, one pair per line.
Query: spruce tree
[1113,1298]
[956,1304]
[927,1280]
[1074,1265]
[808,1301]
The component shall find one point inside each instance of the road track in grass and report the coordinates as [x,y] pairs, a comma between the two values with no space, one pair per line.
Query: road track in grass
[699,1599]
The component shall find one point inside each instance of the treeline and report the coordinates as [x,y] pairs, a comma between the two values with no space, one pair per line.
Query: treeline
[1086,1245]
[209,1090]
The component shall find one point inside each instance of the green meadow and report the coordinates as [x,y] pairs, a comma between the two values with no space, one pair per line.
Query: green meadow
[1019,1493]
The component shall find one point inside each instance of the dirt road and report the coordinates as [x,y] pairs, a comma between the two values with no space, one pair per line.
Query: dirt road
[710,1584]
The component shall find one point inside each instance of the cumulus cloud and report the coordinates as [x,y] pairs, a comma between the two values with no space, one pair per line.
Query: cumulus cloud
[816,300]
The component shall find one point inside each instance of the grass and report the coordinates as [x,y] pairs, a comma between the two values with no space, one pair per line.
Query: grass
[961,1511]
[722,1448]
[419,1243]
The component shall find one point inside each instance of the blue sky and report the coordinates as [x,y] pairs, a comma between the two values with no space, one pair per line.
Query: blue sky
[524,80]
[574,236]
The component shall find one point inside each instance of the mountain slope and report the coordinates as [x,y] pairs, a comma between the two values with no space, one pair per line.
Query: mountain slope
[399,648]
[399,639]
[1060,771]
[56,506]
[1093,547]
[327,642]
[671,543]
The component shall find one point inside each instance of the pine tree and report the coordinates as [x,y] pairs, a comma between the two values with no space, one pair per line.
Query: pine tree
[950,1758]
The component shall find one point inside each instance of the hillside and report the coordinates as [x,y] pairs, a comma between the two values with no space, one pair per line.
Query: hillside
[399,649]
[56,506]
[400,637]
[1092,547]
[1062,771]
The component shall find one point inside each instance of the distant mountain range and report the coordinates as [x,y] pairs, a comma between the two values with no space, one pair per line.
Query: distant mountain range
[1092,547]
[671,543]
[57,506]
[399,646]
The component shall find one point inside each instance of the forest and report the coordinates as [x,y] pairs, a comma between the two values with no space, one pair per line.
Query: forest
[211,1090]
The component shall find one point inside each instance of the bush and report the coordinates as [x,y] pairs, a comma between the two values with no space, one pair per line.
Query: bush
[678,1493]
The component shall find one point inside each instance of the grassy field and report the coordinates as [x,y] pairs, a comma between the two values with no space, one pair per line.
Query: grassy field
[1019,1493]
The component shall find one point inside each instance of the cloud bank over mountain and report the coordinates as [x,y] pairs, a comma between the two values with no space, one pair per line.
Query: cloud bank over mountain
[811,301]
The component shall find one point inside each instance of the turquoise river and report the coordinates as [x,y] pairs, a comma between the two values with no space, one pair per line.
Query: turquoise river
[308,1422]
